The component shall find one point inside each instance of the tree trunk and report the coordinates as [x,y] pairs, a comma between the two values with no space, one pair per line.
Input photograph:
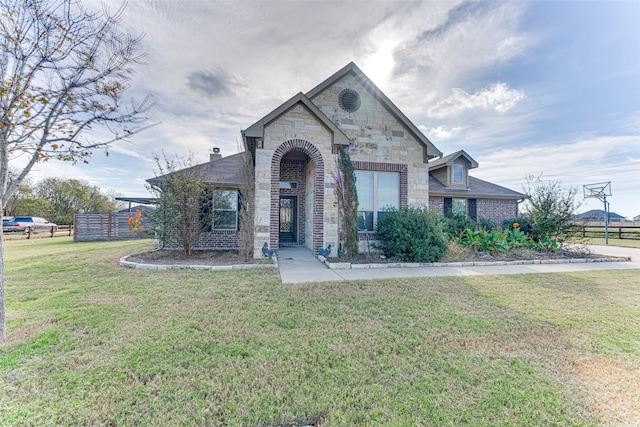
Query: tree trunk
[3,331]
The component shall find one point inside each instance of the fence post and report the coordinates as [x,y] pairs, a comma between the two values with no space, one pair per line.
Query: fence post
[70,229]
[109,228]
[29,233]
[52,231]
[619,232]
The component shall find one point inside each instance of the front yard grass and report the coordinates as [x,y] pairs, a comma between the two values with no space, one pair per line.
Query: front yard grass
[90,343]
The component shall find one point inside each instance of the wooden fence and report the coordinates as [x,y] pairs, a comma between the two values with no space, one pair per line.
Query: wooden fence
[616,230]
[59,231]
[113,226]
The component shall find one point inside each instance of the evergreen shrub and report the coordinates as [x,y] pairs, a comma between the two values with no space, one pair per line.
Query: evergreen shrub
[412,235]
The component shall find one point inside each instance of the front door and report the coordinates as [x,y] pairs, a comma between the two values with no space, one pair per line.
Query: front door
[288,219]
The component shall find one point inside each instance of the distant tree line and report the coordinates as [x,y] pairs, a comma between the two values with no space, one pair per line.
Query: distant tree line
[58,199]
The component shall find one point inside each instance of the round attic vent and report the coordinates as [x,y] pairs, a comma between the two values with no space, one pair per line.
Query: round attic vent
[349,100]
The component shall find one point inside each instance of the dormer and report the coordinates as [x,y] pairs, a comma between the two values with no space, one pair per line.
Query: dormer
[453,170]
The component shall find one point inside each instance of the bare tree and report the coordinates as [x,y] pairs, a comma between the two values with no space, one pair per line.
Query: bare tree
[63,72]
[247,206]
[183,203]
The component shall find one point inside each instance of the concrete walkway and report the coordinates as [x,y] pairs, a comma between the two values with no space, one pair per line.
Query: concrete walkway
[298,265]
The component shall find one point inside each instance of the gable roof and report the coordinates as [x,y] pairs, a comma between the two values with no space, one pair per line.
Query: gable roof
[431,150]
[450,159]
[223,172]
[597,215]
[478,189]
[257,129]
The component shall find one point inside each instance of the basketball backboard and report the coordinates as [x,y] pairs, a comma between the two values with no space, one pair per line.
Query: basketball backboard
[598,190]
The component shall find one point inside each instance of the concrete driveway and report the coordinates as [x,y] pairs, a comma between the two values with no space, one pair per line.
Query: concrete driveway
[298,265]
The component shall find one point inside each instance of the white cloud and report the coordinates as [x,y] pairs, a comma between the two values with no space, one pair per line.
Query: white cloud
[574,163]
[498,97]
[440,132]
[446,65]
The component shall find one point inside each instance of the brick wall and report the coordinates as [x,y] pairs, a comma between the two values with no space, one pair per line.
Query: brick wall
[218,239]
[294,171]
[436,204]
[497,210]
[318,183]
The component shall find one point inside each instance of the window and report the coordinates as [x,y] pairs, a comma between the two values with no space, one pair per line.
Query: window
[349,100]
[225,210]
[458,174]
[288,185]
[377,192]
[459,206]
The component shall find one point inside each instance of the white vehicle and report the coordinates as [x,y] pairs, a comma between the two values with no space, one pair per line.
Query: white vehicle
[23,223]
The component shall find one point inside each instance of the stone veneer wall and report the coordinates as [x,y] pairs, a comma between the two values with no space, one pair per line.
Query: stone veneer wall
[308,207]
[378,137]
[297,129]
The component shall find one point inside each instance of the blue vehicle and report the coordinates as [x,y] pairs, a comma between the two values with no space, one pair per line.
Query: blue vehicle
[22,224]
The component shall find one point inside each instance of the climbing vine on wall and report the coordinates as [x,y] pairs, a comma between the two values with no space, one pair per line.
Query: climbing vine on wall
[347,197]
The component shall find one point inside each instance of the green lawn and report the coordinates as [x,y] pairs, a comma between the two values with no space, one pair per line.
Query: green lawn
[90,343]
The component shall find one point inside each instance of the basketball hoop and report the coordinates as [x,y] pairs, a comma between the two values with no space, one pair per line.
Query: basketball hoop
[600,191]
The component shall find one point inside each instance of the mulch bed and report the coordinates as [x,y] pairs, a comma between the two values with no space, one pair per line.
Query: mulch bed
[476,256]
[173,257]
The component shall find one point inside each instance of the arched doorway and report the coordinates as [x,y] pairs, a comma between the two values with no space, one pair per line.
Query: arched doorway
[297,215]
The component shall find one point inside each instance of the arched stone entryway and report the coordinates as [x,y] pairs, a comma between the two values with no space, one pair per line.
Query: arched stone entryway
[317,216]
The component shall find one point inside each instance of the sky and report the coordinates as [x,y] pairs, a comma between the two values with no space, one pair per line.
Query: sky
[526,88]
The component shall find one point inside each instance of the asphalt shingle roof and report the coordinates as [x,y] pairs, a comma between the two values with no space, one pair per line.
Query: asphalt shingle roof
[223,172]
[477,189]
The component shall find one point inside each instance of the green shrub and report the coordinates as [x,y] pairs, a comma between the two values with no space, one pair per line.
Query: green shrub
[550,208]
[495,241]
[412,235]
[455,222]
[522,221]
[487,225]
[516,238]
[485,241]
[547,244]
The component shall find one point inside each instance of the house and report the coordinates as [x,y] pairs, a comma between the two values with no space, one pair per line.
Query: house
[293,150]
[598,215]
[451,188]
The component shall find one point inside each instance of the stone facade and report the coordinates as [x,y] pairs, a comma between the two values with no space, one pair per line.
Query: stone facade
[379,141]
[378,136]
[299,142]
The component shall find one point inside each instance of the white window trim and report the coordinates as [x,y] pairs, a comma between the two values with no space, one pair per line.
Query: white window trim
[376,208]
[214,210]
[464,201]
[453,174]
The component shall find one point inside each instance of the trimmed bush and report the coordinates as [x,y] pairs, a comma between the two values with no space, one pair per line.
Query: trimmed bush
[457,222]
[487,225]
[412,235]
